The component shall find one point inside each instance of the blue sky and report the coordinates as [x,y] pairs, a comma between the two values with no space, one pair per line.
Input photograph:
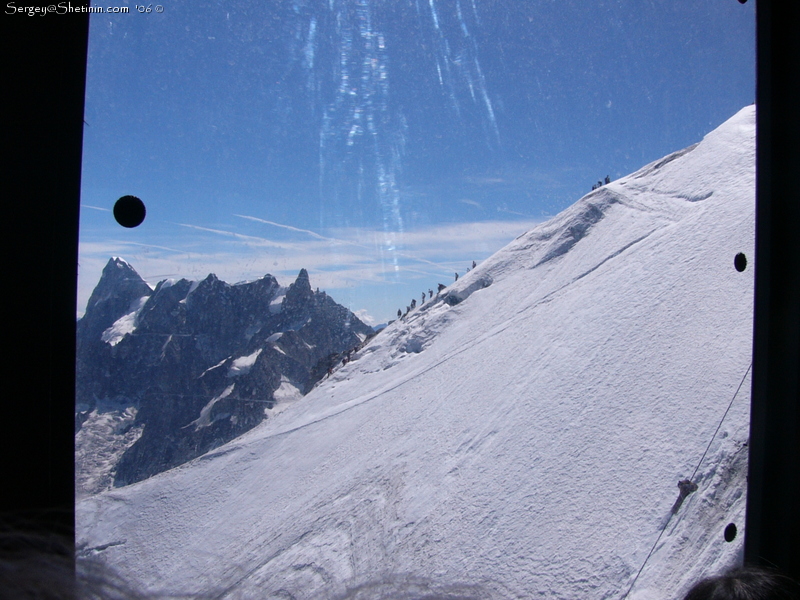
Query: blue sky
[383,144]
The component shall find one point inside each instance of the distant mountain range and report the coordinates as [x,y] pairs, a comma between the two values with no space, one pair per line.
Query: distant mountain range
[167,374]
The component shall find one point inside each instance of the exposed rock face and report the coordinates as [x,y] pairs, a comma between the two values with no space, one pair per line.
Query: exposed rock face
[119,292]
[197,363]
[119,286]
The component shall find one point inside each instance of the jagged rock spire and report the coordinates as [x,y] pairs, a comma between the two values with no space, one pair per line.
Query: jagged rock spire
[299,293]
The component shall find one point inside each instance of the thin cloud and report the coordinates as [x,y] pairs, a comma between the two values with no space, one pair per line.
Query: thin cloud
[512,212]
[485,180]
[459,237]
[337,240]
[364,316]
[251,238]
[471,203]
[289,227]
[153,246]
[95,207]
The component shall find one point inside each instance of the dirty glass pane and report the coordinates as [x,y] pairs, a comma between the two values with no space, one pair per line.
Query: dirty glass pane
[317,171]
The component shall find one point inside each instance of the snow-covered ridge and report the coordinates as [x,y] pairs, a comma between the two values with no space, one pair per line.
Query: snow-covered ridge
[243,364]
[192,288]
[125,324]
[204,420]
[527,439]
[277,302]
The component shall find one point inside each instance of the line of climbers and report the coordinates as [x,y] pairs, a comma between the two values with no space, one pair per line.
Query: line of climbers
[600,184]
[333,360]
[413,305]
[345,357]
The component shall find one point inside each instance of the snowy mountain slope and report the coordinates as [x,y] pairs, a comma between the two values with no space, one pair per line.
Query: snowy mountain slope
[524,431]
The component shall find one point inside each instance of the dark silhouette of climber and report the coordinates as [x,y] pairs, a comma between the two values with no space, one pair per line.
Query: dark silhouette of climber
[442,286]
[608,180]
[399,313]
[686,487]
[456,276]
[474,264]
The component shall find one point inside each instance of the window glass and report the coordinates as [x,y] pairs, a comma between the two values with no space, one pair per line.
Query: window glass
[388,147]
[377,123]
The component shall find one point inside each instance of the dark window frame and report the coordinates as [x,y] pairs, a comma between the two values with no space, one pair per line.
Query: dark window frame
[45,72]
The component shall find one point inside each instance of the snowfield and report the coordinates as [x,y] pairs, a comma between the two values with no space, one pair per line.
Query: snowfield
[125,324]
[524,432]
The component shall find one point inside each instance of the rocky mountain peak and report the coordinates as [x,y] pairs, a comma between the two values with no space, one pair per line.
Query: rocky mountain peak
[299,293]
[118,277]
[119,286]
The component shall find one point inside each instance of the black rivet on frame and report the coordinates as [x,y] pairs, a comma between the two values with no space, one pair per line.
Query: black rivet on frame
[740,262]
[129,211]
